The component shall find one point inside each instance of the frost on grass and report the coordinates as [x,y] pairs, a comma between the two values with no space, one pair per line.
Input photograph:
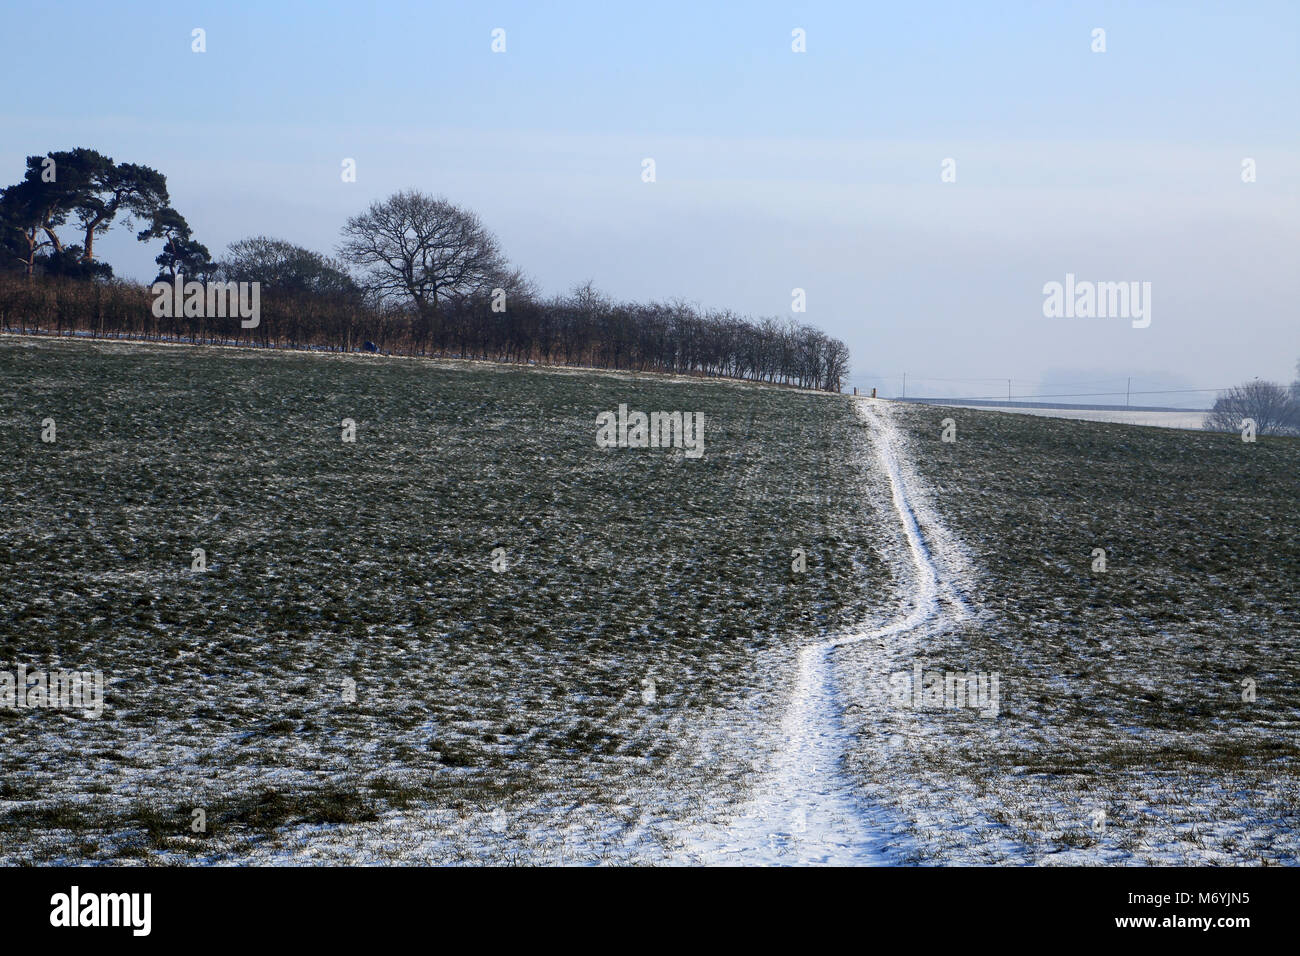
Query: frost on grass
[1122,735]
[497,716]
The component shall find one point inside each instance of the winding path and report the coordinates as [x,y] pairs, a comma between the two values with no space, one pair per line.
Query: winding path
[805,810]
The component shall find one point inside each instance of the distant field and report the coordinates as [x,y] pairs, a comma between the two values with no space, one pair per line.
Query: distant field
[1122,691]
[497,715]
[1137,416]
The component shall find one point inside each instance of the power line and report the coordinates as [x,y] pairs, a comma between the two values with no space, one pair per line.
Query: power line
[1003,378]
[1000,378]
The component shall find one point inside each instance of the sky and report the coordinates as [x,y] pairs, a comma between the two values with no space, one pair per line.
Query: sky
[775,170]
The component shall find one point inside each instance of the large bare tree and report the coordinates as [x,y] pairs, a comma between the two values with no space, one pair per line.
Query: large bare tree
[1267,403]
[423,249]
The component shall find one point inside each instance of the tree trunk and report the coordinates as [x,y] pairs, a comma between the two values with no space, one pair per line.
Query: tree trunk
[88,253]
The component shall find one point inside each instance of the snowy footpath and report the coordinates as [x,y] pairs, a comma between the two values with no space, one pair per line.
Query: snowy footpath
[804,810]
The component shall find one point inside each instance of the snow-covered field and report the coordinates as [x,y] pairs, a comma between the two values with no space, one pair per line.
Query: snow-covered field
[805,810]
[1148,706]
[583,704]
[1159,419]
[652,677]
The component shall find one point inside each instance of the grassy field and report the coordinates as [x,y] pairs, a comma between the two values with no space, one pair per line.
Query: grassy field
[1123,735]
[572,707]
[621,681]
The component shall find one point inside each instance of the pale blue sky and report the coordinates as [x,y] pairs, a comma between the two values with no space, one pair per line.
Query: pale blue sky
[775,169]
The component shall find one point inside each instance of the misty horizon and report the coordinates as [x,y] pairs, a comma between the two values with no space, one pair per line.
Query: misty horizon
[776,170]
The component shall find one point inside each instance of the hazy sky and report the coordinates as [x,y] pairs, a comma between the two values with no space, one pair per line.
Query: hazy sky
[775,169]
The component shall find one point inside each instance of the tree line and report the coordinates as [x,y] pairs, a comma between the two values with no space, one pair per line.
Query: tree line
[413,274]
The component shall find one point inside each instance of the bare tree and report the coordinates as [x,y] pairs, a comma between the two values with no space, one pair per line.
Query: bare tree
[1267,403]
[422,249]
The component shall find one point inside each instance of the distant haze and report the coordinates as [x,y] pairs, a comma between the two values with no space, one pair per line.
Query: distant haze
[774,169]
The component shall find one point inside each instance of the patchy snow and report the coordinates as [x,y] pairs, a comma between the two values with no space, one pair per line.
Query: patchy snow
[1113,745]
[1192,420]
[806,810]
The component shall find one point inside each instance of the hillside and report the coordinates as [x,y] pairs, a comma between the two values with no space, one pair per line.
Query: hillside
[579,701]
[473,634]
